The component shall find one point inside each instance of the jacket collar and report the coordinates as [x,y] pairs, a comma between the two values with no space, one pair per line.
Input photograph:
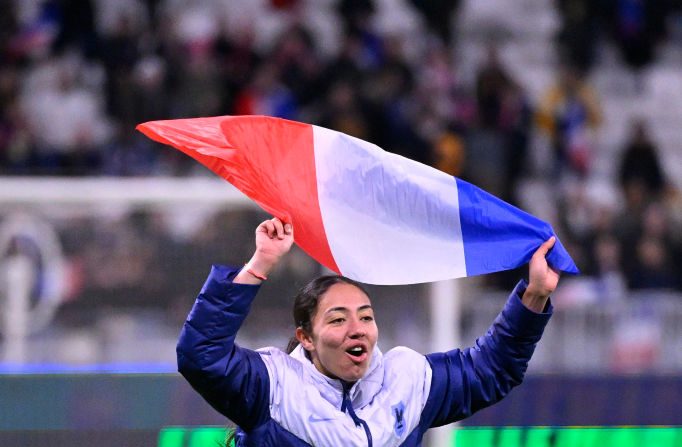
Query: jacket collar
[361,393]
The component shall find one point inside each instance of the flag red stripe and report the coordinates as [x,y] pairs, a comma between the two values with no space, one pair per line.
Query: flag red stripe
[272,161]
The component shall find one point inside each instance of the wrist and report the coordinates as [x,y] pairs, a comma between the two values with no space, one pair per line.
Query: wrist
[534,300]
[254,272]
[261,265]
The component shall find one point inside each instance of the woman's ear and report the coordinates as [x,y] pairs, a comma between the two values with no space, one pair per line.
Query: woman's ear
[304,339]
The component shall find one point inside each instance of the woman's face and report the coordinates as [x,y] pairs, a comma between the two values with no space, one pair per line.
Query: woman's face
[344,333]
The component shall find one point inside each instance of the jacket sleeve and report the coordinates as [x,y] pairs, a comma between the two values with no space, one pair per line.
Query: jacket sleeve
[231,379]
[465,381]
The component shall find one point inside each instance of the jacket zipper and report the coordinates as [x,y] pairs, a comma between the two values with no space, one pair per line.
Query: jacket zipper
[346,405]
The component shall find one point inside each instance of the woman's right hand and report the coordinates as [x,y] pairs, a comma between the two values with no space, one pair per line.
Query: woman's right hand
[273,240]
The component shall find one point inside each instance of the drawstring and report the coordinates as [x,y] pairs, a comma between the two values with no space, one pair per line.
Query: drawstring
[346,405]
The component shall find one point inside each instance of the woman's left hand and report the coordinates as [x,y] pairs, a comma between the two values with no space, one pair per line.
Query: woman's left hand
[542,279]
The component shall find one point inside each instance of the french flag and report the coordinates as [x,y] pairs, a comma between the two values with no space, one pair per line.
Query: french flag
[365,213]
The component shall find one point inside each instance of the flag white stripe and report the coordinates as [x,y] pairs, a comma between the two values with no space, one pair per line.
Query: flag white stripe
[388,219]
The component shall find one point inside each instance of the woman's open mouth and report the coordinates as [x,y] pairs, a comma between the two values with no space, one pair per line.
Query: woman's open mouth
[357,353]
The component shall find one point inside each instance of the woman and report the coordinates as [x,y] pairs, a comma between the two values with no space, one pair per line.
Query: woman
[336,388]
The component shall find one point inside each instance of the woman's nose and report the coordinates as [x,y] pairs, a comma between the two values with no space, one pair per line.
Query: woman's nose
[356,329]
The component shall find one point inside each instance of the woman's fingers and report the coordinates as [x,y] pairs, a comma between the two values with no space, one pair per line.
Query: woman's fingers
[543,279]
[546,247]
[275,228]
[279,228]
[267,227]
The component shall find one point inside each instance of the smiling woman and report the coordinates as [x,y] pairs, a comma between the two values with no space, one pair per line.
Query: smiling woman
[334,317]
[335,387]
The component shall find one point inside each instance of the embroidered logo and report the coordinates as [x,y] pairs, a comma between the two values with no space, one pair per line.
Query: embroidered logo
[398,411]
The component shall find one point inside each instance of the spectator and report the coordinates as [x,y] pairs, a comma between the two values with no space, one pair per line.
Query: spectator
[439,16]
[648,245]
[388,91]
[345,111]
[640,162]
[449,153]
[120,55]
[518,122]
[504,113]
[298,65]
[14,138]
[266,95]
[65,119]
[611,282]
[579,35]
[357,18]
[636,27]
[492,86]
[355,14]
[441,101]
[15,142]
[77,27]
[237,61]
[652,268]
[149,84]
[570,113]
[346,66]
[8,32]
[34,34]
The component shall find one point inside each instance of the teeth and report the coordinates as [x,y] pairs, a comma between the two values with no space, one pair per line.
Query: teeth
[356,349]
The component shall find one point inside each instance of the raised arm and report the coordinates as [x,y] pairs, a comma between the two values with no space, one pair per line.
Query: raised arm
[233,380]
[465,381]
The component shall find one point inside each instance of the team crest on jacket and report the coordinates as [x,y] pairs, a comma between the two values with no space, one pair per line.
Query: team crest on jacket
[398,411]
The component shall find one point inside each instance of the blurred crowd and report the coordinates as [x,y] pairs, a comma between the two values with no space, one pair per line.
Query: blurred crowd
[76,76]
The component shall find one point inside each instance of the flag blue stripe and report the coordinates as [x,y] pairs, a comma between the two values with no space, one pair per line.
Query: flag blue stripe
[498,236]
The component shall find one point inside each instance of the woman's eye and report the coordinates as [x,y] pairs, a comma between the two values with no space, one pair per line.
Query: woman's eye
[336,321]
[367,318]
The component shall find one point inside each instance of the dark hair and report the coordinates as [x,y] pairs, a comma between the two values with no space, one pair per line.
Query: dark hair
[305,302]
[230,437]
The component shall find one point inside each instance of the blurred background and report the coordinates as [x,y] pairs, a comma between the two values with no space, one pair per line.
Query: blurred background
[569,109]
